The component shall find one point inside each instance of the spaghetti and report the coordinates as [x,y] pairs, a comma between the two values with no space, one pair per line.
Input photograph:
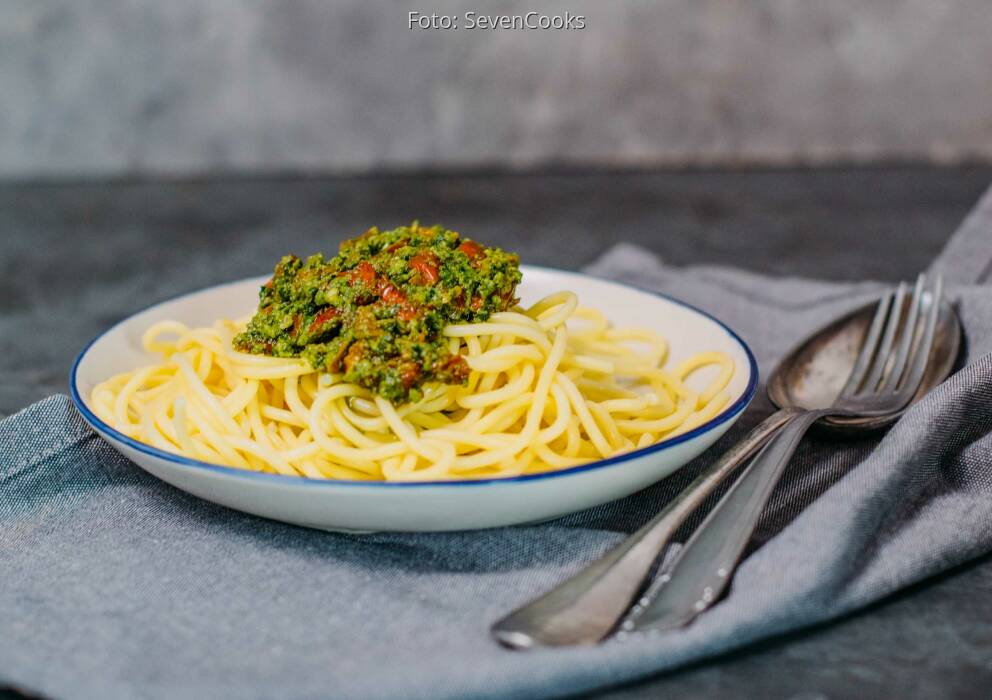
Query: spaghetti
[549,387]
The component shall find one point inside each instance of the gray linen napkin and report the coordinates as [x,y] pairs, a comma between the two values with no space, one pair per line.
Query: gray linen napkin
[114,585]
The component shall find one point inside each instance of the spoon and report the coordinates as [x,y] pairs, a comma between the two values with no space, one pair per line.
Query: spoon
[587,607]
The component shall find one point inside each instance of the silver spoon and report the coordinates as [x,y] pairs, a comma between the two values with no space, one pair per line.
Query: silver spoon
[587,607]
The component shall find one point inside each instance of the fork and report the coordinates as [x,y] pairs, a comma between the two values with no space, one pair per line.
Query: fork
[886,375]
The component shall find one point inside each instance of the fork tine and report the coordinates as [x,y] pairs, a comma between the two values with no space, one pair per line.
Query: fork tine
[868,346]
[882,355]
[921,356]
[907,336]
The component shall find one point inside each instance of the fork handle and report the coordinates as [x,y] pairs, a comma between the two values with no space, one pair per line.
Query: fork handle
[706,563]
[589,605]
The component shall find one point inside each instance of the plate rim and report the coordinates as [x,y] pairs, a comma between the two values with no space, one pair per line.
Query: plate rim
[726,414]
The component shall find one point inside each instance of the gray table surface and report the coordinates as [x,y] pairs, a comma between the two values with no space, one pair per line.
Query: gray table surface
[76,257]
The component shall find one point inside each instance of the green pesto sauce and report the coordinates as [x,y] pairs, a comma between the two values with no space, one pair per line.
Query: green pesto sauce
[375,311]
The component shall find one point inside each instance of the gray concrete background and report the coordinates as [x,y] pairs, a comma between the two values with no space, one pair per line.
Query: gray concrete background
[125,87]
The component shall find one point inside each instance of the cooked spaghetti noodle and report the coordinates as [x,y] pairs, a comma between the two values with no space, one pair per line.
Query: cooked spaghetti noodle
[550,387]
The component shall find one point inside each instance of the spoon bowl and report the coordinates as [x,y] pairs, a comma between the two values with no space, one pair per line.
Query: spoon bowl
[812,375]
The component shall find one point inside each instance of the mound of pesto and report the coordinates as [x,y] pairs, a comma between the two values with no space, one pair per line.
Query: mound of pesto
[375,311]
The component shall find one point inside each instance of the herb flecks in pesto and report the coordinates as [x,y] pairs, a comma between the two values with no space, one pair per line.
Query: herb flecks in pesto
[375,312]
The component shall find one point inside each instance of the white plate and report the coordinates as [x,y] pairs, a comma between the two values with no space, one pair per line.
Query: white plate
[426,506]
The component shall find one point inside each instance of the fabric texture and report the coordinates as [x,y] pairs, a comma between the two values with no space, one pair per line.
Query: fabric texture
[115,585]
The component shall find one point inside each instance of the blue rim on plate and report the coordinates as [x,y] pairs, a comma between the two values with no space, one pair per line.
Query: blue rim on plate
[713,422]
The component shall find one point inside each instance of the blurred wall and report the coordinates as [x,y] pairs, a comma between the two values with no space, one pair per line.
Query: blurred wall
[187,86]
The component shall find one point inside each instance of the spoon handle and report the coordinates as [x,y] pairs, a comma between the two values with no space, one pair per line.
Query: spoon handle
[588,606]
[705,565]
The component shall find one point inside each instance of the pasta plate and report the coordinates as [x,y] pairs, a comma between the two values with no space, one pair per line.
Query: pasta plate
[340,504]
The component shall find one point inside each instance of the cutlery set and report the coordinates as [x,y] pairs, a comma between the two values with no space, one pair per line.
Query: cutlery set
[859,373]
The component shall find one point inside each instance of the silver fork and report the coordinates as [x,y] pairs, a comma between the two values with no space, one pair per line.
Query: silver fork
[590,604]
[887,374]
